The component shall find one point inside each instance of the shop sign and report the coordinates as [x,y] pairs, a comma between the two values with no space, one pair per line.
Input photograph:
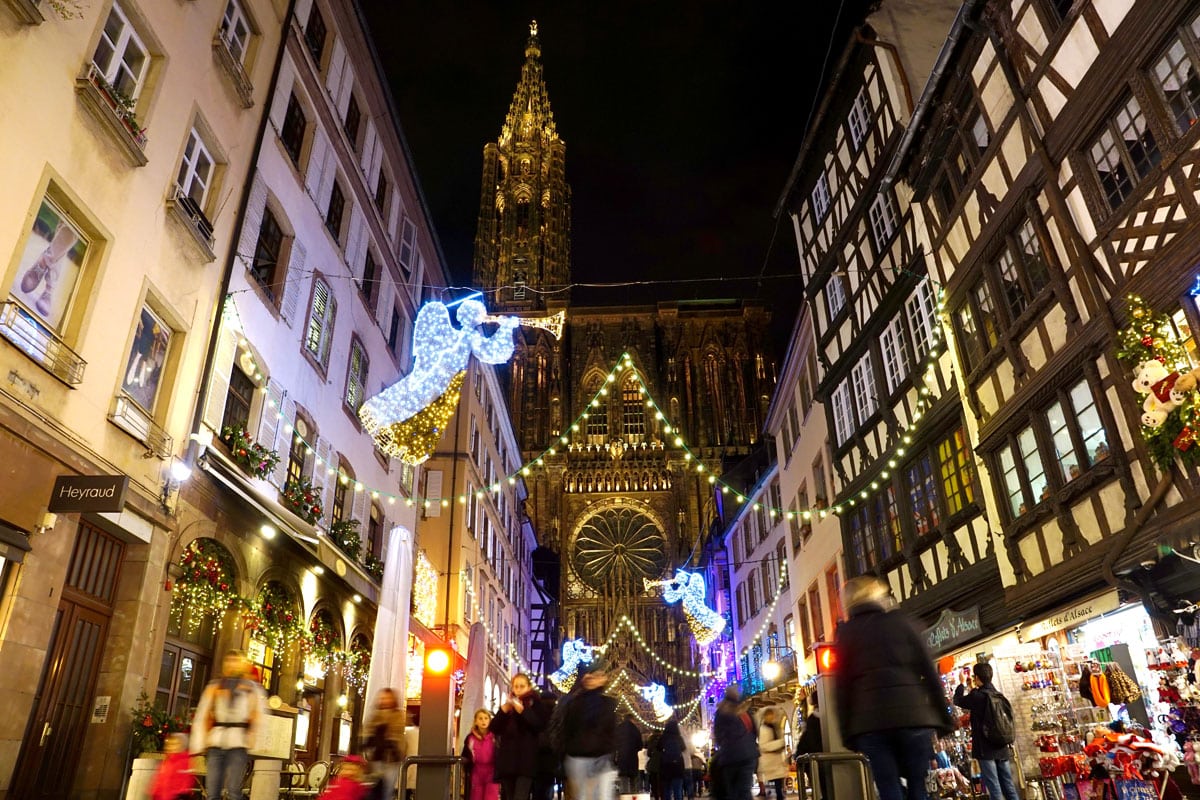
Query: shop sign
[88,493]
[952,628]
[1076,615]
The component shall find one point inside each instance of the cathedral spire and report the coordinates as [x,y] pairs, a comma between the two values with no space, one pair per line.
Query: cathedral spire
[529,115]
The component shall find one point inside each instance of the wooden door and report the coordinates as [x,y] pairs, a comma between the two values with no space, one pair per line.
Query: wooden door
[63,703]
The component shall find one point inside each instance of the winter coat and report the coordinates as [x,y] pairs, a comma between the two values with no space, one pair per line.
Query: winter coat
[479,767]
[772,760]
[590,725]
[886,679]
[383,733]
[733,735]
[174,778]
[343,789]
[629,743]
[518,733]
[671,747]
[976,701]
[810,740]
[228,715]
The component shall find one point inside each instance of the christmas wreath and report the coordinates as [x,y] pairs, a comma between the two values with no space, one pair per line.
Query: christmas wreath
[323,642]
[1164,377]
[273,618]
[251,456]
[357,665]
[204,588]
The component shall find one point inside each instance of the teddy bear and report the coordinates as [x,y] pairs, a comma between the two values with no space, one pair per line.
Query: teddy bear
[1187,382]
[1147,374]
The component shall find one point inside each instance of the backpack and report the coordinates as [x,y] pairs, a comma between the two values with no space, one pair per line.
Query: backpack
[997,717]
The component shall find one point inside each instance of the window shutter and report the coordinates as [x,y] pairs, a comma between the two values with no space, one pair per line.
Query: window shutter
[360,510]
[316,165]
[322,481]
[293,280]
[433,492]
[335,74]
[370,139]
[268,420]
[283,442]
[355,240]
[252,221]
[218,388]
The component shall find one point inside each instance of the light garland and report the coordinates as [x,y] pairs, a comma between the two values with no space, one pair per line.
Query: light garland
[204,589]
[624,622]
[425,585]
[408,418]
[770,609]
[689,587]
[512,654]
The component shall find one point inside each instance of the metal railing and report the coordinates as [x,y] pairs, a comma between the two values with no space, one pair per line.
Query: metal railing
[811,762]
[456,772]
[25,332]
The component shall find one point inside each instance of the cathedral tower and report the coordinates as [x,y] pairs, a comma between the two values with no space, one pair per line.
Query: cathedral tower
[523,240]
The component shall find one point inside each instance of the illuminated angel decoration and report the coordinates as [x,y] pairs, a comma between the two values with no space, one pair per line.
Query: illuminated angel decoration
[574,653]
[705,623]
[407,419]
[656,695]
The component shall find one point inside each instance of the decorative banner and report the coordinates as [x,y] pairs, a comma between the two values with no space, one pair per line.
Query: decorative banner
[689,587]
[656,695]
[574,653]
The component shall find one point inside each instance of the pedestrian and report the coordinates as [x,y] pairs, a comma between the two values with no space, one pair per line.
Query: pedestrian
[385,745]
[227,720]
[479,759]
[988,748]
[549,766]
[811,741]
[174,778]
[889,696]
[590,737]
[737,750]
[672,766]
[695,784]
[629,743]
[350,782]
[773,756]
[517,725]
[654,766]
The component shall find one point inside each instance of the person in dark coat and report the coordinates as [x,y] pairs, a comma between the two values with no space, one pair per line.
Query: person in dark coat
[812,741]
[629,744]
[518,724]
[671,764]
[993,758]
[654,766]
[590,737]
[889,695]
[737,749]
[549,766]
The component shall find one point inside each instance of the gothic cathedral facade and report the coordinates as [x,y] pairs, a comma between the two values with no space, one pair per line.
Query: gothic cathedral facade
[630,412]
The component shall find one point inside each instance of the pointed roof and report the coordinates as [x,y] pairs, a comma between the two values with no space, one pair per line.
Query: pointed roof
[530,113]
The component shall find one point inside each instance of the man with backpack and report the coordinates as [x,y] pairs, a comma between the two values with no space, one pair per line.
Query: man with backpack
[992,732]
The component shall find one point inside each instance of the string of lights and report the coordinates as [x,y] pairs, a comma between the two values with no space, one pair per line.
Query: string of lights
[512,655]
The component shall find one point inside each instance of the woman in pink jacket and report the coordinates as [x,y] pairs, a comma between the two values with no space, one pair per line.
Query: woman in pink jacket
[479,760]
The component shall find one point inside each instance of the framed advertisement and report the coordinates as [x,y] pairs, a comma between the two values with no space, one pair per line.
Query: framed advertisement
[147,356]
[48,271]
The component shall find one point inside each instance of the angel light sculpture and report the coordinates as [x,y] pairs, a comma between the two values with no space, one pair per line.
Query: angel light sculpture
[689,588]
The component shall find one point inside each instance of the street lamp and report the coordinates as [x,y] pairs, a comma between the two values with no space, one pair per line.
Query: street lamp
[771,670]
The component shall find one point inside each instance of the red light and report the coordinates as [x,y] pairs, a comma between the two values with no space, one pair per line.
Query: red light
[437,661]
[826,659]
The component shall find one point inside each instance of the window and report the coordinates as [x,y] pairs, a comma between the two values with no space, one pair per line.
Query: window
[818,618]
[147,359]
[340,509]
[835,295]
[819,485]
[741,605]
[267,269]
[922,494]
[957,471]
[335,210]
[781,560]
[352,120]
[860,118]
[320,323]
[238,400]
[752,595]
[806,397]
[195,171]
[51,266]
[381,193]
[976,323]
[394,333]
[370,280]
[408,245]
[298,452]
[292,133]
[896,360]
[921,310]
[843,418]
[121,56]
[820,198]
[633,409]
[884,217]
[805,629]
[235,30]
[1124,152]
[1175,76]
[597,421]
[862,377]
[833,588]
[314,34]
[891,531]
[356,376]
[862,539]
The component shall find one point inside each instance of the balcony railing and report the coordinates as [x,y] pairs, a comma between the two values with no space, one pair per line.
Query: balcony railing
[188,212]
[27,11]
[20,327]
[233,70]
[137,423]
[114,112]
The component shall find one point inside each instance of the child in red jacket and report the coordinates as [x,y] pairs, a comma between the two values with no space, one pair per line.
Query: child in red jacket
[174,778]
[348,784]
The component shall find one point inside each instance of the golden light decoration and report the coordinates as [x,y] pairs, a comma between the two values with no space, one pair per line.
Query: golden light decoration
[425,584]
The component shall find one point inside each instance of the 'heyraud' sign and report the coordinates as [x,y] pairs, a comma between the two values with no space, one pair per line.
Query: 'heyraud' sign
[952,628]
[88,493]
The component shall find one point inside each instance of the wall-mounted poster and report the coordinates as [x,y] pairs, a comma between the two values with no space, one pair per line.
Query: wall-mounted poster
[146,358]
[49,268]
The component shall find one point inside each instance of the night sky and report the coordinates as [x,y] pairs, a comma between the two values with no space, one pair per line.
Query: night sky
[681,120]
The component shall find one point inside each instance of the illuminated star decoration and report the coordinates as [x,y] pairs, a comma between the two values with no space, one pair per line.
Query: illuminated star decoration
[574,653]
[407,419]
[656,695]
[705,623]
